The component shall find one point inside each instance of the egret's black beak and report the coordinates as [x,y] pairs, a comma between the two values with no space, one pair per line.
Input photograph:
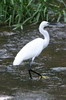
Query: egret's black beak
[50,23]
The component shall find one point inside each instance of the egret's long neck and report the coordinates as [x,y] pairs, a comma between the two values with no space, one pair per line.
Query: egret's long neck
[44,33]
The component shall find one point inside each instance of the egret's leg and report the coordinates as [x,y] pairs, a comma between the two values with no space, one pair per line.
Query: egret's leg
[41,76]
[30,70]
[30,73]
[36,73]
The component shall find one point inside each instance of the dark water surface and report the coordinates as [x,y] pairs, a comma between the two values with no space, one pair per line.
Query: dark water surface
[15,82]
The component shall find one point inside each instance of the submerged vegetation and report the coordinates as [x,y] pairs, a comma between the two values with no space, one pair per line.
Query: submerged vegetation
[17,13]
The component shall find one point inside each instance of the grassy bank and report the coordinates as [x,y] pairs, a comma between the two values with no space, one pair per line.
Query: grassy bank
[17,13]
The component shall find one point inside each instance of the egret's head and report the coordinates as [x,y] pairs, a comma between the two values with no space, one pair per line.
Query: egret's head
[44,24]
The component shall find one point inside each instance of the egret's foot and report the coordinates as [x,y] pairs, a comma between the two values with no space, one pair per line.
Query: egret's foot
[43,76]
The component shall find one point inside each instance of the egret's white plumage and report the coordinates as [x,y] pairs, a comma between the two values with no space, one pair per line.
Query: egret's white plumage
[35,47]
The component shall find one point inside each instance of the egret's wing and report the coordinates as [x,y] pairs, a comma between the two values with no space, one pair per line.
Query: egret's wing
[30,50]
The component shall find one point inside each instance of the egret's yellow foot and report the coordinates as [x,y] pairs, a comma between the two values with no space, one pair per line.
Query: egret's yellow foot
[45,77]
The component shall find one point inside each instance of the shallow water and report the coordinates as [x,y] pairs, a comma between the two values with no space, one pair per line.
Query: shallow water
[15,82]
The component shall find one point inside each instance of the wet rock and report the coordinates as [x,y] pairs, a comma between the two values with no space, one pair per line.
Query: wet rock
[5,33]
[4,97]
[58,69]
[58,31]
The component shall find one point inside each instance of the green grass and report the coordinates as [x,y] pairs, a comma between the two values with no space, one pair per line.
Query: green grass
[17,13]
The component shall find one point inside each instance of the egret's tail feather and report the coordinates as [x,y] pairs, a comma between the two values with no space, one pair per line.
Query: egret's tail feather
[17,62]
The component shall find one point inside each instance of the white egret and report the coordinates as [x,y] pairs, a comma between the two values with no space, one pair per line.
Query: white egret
[33,48]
